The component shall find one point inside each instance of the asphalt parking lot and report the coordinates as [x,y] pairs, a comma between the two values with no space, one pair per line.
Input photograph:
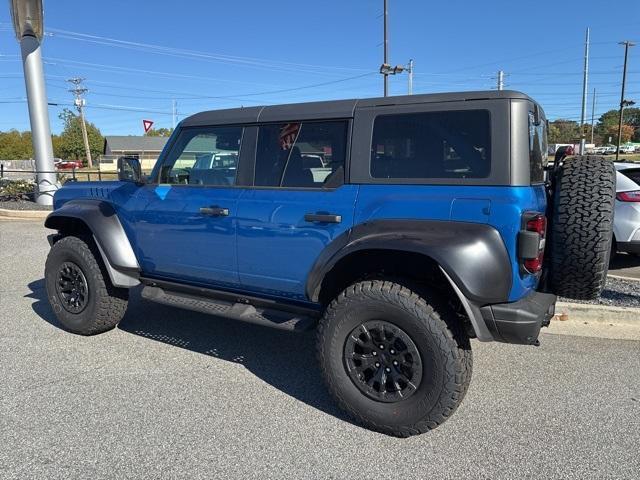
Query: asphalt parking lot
[175,394]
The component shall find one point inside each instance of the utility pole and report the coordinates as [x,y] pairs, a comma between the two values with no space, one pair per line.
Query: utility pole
[500,80]
[410,71]
[78,90]
[28,23]
[623,102]
[174,112]
[386,51]
[593,113]
[584,93]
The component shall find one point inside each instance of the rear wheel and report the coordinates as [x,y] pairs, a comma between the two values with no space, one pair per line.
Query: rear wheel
[581,231]
[395,360]
[79,289]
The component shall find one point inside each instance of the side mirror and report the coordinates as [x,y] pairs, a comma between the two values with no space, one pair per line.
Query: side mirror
[129,170]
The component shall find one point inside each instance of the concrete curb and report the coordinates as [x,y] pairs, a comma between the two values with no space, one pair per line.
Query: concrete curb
[24,214]
[622,277]
[581,312]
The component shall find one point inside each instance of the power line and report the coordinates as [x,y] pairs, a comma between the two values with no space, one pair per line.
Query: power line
[250,62]
[237,96]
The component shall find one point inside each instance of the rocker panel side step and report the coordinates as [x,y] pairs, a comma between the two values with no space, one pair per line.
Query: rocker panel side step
[282,320]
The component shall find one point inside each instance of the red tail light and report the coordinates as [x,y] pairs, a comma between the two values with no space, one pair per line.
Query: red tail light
[534,265]
[532,246]
[538,224]
[629,196]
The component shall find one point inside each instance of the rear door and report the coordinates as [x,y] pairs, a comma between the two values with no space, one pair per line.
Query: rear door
[297,205]
[186,228]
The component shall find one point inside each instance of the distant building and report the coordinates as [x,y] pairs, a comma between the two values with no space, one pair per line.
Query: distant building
[147,149]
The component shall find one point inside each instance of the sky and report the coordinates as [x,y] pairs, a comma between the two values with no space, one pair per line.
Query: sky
[138,57]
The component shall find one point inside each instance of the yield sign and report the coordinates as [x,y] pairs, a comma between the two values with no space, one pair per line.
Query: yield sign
[147,125]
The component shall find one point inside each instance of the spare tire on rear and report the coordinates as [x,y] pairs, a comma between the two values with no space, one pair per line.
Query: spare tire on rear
[581,228]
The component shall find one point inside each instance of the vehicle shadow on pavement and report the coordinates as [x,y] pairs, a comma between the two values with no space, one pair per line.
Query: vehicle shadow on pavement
[284,360]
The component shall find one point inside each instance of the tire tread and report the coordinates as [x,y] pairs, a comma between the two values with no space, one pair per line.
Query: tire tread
[443,327]
[111,301]
[582,227]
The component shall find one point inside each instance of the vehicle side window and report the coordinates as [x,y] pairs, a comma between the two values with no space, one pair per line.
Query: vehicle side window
[454,144]
[538,149]
[203,156]
[301,154]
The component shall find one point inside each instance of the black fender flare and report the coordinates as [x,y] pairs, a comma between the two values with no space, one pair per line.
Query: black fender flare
[103,222]
[472,255]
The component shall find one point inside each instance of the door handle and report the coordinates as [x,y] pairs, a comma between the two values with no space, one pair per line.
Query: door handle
[215,211]
[322,218]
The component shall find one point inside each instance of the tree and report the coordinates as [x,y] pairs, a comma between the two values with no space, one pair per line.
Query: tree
[15,145]
[564,131]
[71,144]
[159,132]
[612,131]
[608,125]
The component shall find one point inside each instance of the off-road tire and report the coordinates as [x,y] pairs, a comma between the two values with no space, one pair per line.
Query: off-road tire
[106,304]
[581,230]
[433,327]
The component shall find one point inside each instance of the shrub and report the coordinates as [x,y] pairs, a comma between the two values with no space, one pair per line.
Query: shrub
[16,189]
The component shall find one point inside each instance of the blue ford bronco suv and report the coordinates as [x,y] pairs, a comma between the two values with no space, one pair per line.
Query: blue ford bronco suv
[400,228]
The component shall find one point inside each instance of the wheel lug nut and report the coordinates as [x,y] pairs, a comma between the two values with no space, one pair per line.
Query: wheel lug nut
[395,362]
[381,347]
[392,351]
[375,353]
[377,364]
[387,369]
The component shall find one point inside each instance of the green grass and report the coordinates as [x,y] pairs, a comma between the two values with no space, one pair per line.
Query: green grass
[629,158]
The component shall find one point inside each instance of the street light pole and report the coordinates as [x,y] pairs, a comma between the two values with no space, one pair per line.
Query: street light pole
[500,80]
[386,51]
[27,18]
[410,71]
[626,44]
[585,79]
[174,112]
[593,113]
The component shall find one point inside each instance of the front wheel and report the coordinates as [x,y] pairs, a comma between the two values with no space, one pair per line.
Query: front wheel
[79,289]
[396,361]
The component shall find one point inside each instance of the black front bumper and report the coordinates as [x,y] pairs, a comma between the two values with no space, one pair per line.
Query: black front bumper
[521,321]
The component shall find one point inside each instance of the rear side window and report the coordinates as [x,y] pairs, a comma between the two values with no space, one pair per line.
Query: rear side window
[538,149]
[453,144]
[203,156]
[301,154]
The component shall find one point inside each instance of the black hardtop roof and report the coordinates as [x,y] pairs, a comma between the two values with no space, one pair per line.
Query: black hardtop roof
[334,108]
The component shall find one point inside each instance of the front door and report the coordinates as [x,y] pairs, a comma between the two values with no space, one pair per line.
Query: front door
[297,206]
[186,226]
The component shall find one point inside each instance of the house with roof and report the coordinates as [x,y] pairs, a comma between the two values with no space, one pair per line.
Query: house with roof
[147,149]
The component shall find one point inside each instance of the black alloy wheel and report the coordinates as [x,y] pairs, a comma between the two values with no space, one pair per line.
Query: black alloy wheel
[72,287]
[382,361]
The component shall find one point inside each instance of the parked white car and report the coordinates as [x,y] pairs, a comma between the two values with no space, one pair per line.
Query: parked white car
[626,223]
[627,149]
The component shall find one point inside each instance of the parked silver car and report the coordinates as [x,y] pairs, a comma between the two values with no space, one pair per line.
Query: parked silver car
[626,224]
